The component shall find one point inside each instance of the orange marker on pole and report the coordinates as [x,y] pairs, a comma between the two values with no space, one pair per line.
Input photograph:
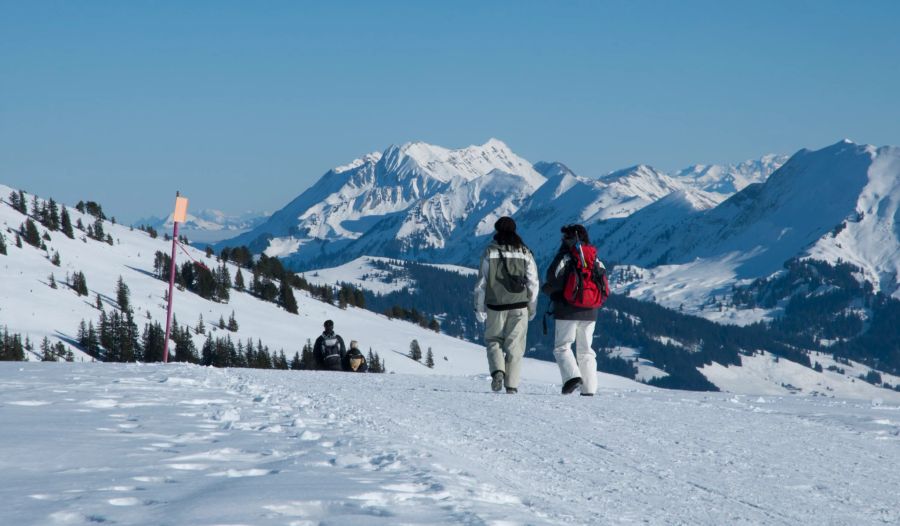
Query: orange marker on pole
[179,216]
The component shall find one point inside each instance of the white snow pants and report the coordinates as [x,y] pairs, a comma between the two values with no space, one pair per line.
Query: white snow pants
[504,334]
[584,362]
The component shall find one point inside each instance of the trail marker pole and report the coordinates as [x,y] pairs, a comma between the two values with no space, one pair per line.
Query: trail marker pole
[180,216]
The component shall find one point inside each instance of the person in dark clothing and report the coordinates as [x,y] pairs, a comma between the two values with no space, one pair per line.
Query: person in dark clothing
[329,350]
[574,324]
[354,361]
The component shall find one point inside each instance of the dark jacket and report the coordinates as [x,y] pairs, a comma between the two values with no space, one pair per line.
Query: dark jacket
[329,351]
[555,282]
[354,353]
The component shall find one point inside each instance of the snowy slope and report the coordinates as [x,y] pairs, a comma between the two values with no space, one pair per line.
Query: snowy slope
[181,444]
[30,307]
[362,273]
[763,373]
[839,203]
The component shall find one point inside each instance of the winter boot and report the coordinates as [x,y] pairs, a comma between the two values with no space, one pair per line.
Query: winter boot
[572,384]
[497,381]
[511,390]
[587,394]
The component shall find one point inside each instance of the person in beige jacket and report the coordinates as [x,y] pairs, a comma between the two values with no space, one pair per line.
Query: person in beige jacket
[505,301]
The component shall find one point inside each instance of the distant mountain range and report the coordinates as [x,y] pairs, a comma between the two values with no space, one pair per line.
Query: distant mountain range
[427,202]
[208,225]
[685,239]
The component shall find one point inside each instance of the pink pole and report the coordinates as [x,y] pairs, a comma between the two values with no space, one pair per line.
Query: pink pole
[171,286]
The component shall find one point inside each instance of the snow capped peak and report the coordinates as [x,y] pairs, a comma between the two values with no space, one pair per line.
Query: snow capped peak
[550,170]
[638,170]
[467,163]
[731,178]
[369,158]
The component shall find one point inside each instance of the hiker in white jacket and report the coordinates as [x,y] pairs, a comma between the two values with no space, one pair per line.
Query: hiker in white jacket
[506,300]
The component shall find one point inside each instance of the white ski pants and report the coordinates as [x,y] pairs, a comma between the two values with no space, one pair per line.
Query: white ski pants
[584,362]
[504,335]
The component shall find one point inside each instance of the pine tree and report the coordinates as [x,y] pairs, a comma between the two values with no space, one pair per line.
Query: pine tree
[153,342]
[415,352]
[286,297]
[232,323]
[201,327]
[2,245]
[429,359]
[52,280]
[221,322]
[30,233]
[14,200]
[55,259]
[53,219]
[123,295]
[239,280]
[18,240]
[22,204]
[66,224]
[296,364]
[373,362]
[47,354]
[98,302]
[79,283]
[434,325]
[307,358]
[98,232]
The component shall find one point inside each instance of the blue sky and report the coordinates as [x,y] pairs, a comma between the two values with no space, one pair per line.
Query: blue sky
[242,105]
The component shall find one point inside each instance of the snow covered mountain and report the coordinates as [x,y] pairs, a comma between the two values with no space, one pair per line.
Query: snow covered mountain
[408,198]
[837,204]
[731,178]
[436,204]
[208,225]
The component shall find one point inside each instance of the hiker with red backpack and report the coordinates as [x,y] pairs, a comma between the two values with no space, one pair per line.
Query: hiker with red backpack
[576,283]
[505,301]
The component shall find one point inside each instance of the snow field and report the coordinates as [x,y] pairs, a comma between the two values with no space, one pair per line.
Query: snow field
[182,444]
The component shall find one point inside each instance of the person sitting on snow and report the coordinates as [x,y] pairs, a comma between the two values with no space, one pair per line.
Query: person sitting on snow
[329,350]
[354,361]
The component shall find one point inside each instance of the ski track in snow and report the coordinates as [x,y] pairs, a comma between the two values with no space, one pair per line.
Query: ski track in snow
[180,444]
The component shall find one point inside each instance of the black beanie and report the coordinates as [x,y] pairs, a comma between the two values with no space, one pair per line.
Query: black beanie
[505,224]
[329,324]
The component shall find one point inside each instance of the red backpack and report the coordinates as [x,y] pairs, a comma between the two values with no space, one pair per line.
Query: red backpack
[583,287]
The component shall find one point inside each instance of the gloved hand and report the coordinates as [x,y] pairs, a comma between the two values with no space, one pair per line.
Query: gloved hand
[481,316]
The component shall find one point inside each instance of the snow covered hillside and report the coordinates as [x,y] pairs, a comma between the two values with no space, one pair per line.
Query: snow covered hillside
[182,444]
[375,274]
[837,204]
[32,308]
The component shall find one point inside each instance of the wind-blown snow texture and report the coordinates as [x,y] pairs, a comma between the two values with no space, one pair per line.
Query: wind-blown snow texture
[181,444]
